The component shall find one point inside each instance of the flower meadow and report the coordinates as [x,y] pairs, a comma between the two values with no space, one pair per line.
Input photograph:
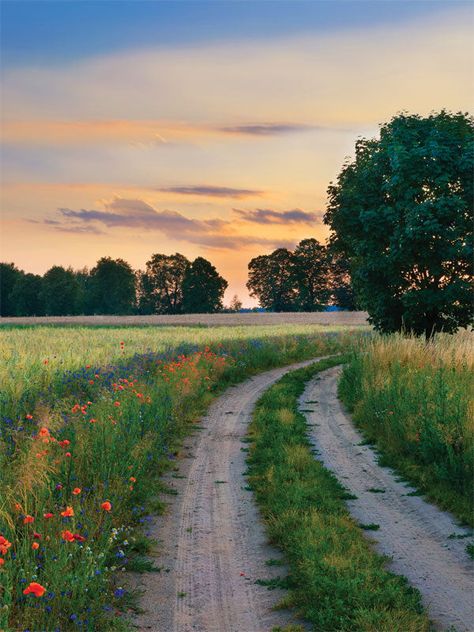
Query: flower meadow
[82,449]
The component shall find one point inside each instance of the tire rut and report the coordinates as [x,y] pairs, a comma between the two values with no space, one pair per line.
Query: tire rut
[212,545]
[413,533]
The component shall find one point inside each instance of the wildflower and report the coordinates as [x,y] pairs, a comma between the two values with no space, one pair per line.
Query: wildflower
[43,432]
[17,507]
[36,536]
[106,506]
[28,519]
[133,479]
[76,491]
[79,538]
[119,592]
[91,382]
[116,403]
[45,361]
[35,589]
[92,421]
[2,561]
[68,454]
[29,416]
[48,515]
[67,536]
[69,511]
[35,546]
[64,443]
[4,545]
[59,486]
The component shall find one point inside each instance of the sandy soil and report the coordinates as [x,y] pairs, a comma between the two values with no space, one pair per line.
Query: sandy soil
[212,546]
[299,318]
[412,532]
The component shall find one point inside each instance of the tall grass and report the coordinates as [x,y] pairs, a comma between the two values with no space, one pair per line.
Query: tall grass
[82,447]
[335,580]
[414,400]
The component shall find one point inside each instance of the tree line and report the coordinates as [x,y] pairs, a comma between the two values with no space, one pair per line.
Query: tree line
[169,285]
[308,279]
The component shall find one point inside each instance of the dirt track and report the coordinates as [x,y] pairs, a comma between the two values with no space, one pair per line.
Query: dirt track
[413,532]
[212,544]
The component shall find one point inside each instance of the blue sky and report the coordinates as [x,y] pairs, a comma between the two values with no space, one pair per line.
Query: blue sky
[43,31]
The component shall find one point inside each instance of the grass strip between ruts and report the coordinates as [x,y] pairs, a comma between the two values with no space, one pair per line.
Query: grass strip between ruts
[336,581]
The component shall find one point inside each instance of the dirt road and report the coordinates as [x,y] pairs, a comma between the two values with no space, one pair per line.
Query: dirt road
[413,532]
[212,544]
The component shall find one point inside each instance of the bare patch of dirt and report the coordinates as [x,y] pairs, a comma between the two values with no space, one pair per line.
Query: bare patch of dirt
[212,546]
[210,320]
[412,532]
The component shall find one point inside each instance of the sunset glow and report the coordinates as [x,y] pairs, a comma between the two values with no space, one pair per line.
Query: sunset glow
[214,134]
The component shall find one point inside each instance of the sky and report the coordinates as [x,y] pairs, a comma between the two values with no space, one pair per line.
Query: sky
[207,128]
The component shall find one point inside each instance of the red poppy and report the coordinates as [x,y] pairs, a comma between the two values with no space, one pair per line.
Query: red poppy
[76,491]
[68,454]
[29,416]
[35,589]
[64,443]
[35,546]
[116,403]
[69,511]
[4,545]
[79,538]
[106,506]
[28,519]
[67,535]
[37,536]
[48,515]
[2,561]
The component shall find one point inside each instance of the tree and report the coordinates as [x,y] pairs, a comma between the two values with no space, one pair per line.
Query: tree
[9,274]
[26,295]
[235,304]
[311,272]
[59,293]
[164,283]
[203,288]
[111,287]
[401,213]
[340,282]
[271,280]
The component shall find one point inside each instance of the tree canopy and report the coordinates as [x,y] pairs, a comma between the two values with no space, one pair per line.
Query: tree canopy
[111,287]
[203,288]
[163,282]
[401,213]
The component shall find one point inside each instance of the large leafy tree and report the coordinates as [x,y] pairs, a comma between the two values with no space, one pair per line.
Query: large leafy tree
[311,269]
[272,280]
[203,288]
[59,293]
[111,287]
[162,283]
[401,213]
[9,275]
[26,295]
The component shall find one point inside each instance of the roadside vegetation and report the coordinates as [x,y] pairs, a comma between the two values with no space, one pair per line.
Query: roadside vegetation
[335,580]
[89,420]
[413,400]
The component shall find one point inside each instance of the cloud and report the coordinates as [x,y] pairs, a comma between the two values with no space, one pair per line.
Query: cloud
[138,214]
[269,216]
[268,129]
[212,191]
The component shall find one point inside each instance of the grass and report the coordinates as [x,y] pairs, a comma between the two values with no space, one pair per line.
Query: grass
[335,580]
[97,424]
[413,400]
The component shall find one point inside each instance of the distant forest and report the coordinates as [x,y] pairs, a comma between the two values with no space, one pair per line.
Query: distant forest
[310,278]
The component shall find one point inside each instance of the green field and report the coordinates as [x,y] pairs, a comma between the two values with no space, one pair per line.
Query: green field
[93,416]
